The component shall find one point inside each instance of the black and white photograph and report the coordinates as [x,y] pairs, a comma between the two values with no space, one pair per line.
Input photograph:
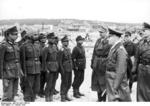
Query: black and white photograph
[74,51]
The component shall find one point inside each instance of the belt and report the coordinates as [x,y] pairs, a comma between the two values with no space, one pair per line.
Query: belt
[31,59]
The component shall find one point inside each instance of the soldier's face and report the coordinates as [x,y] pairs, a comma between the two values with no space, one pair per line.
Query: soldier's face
[65,43]
[51,40]
[80,42]
[112,40]
[146,32]
[13,36]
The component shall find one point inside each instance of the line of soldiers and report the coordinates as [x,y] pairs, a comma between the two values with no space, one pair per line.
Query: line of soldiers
[38,65]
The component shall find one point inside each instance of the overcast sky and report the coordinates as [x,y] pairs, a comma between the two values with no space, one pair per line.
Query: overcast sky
[131,11]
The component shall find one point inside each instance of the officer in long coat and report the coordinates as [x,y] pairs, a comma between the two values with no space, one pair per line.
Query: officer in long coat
[31,66]
[51,65]
[79,63]
[10,68]
[130,48]
[65,61]
[142,64]
[98,64]
[116,74]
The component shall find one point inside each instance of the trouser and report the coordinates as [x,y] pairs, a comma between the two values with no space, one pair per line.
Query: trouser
[101,96]
[78,79]
[10,88]
[50,84]
[42,82]
[32,87]
[66,80]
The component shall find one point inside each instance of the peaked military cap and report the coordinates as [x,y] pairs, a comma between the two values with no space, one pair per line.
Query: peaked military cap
[146,25]
[113,32]
[79,38]
[65,39]
[12,30]
[51,35]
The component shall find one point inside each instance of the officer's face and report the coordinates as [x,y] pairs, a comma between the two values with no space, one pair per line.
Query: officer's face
[146,32]
[112,40]
[43,40]
[51,40]
[102,34]
[126,38]
[80,42]
[13,36]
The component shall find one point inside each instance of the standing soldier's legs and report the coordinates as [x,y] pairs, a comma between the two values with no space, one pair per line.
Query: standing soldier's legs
[69,82]
[36,86]
[63,87]
[55,91]
[15,87]
[75,83]
[28,94]
[7,90]
[81,79]
[42,83]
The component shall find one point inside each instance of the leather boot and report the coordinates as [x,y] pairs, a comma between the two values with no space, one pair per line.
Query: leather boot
[51,98]
[63,98]
[79,93]
[75,93]
[67,98]
[47,98]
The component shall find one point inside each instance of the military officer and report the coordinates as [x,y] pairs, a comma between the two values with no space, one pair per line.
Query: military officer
[142,64]
[10,68]
[98,64]
[31,66]
[79,63]
[65,62]
[130,48]
[51,65]
[116,74]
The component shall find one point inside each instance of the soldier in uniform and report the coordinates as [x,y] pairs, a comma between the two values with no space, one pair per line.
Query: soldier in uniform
[23,33]
[130,48]
[79,63]
[56,43]
[98,64]
[142,64]
[10,68]
[116,73]
[42,41]
[65,62]
[31,66]
[51,65]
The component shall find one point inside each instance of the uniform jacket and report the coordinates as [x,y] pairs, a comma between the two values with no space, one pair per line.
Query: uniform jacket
[98,63]
[50,58]
[9,60]
[116,74]
[78,57]
[65,60]
[30,54]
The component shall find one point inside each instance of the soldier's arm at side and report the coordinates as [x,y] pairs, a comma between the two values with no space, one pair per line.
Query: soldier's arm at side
[60,57]
[23,59]
[121,67]
[93,55]
[2,52]
[44,57]
[74,57]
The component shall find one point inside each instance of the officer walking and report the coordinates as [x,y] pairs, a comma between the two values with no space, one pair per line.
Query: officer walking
[10,68]
[142,64]
[31,67]
[65,61]
[51,65]
[98,64]
[79,63]
[116,74]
